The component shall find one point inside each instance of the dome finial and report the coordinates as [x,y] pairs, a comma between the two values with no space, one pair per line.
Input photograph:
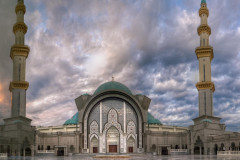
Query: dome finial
[112,78]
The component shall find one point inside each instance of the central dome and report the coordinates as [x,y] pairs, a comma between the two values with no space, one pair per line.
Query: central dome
[112,85]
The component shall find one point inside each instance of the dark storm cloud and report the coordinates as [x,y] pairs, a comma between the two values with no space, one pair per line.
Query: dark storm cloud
[147,45]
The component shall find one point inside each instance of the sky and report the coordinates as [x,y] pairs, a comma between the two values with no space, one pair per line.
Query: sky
[147,45]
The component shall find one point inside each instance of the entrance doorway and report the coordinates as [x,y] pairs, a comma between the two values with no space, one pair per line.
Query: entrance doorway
[131,144]
[112,140]
[27,152]
[164,151]
[198,147]
[95,149]
[60,151]
[130,149]
[94,145]
[112,148]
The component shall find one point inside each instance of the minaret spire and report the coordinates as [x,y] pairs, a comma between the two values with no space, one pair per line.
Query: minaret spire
[205,55]
[19,54]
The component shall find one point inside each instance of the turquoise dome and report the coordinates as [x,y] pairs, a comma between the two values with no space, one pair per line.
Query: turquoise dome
[203,1]
[152,120]
[206,120]
[112,85]
[74,120]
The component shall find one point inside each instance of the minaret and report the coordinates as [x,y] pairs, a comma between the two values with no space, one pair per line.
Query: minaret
[19,54]
[205,55]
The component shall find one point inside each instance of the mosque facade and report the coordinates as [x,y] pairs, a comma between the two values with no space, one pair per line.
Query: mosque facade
[113,119]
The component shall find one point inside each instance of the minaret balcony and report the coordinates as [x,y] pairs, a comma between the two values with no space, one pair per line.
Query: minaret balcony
[205,85]
[204,28]
[204,51]
[18,85]
[20,7]
[19,50]
[203,10]
[20,26]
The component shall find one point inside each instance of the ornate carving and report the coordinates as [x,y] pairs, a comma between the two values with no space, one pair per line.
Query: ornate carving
[204,28]
[18,85]
[112,116]
[205,85]
[20,26]
[20,7]
[131,127]
[203,10]
[94,127]
[102,137]
[19,50]
[204,52]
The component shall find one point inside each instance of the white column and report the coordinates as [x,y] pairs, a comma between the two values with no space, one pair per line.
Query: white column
[100,117]
[124,110]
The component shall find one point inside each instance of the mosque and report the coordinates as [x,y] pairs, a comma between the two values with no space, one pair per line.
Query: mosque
[113,119]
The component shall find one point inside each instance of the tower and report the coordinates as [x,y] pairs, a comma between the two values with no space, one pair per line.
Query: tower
[205,125]
[17,130]
[19,54]
[205,55]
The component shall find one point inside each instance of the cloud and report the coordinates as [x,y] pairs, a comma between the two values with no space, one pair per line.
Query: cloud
[147,45]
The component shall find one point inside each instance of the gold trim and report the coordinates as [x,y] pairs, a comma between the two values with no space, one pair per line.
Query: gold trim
[203,10]
[20,26]
[204,28]
[19,50]
[205,85]
[204,52]
[20,7]
[18,85]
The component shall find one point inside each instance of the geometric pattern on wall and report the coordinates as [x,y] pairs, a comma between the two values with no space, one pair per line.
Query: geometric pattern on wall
[131,128]
[94,127]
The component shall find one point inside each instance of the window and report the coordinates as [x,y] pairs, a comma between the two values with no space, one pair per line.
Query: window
[204,73]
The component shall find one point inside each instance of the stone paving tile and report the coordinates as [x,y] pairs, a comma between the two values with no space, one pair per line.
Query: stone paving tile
[133,157]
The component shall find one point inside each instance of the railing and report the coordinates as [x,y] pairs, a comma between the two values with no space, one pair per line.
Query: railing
[179,150]
[3,154]
[222,153]
[46,151]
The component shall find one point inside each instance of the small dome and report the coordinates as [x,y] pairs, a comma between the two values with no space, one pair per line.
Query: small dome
[86,94]
[152,120]
[73,120]
[206,120]
[112,85]
[203,1]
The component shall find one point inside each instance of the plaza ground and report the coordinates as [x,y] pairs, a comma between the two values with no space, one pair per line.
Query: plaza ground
[132,157]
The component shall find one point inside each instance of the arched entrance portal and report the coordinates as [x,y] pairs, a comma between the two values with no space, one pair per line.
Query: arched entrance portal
[131,144]
[112,140]
[60,151]
[94,145]
[198,147]
[28,152]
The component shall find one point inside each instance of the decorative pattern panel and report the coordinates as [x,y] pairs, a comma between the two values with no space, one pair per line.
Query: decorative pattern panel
[94,127]
[131,115]
[112,116]
[94,116]
[112,113]
[109,104]
[131,128]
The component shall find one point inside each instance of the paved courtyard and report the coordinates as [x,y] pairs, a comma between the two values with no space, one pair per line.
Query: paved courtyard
[132,157]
